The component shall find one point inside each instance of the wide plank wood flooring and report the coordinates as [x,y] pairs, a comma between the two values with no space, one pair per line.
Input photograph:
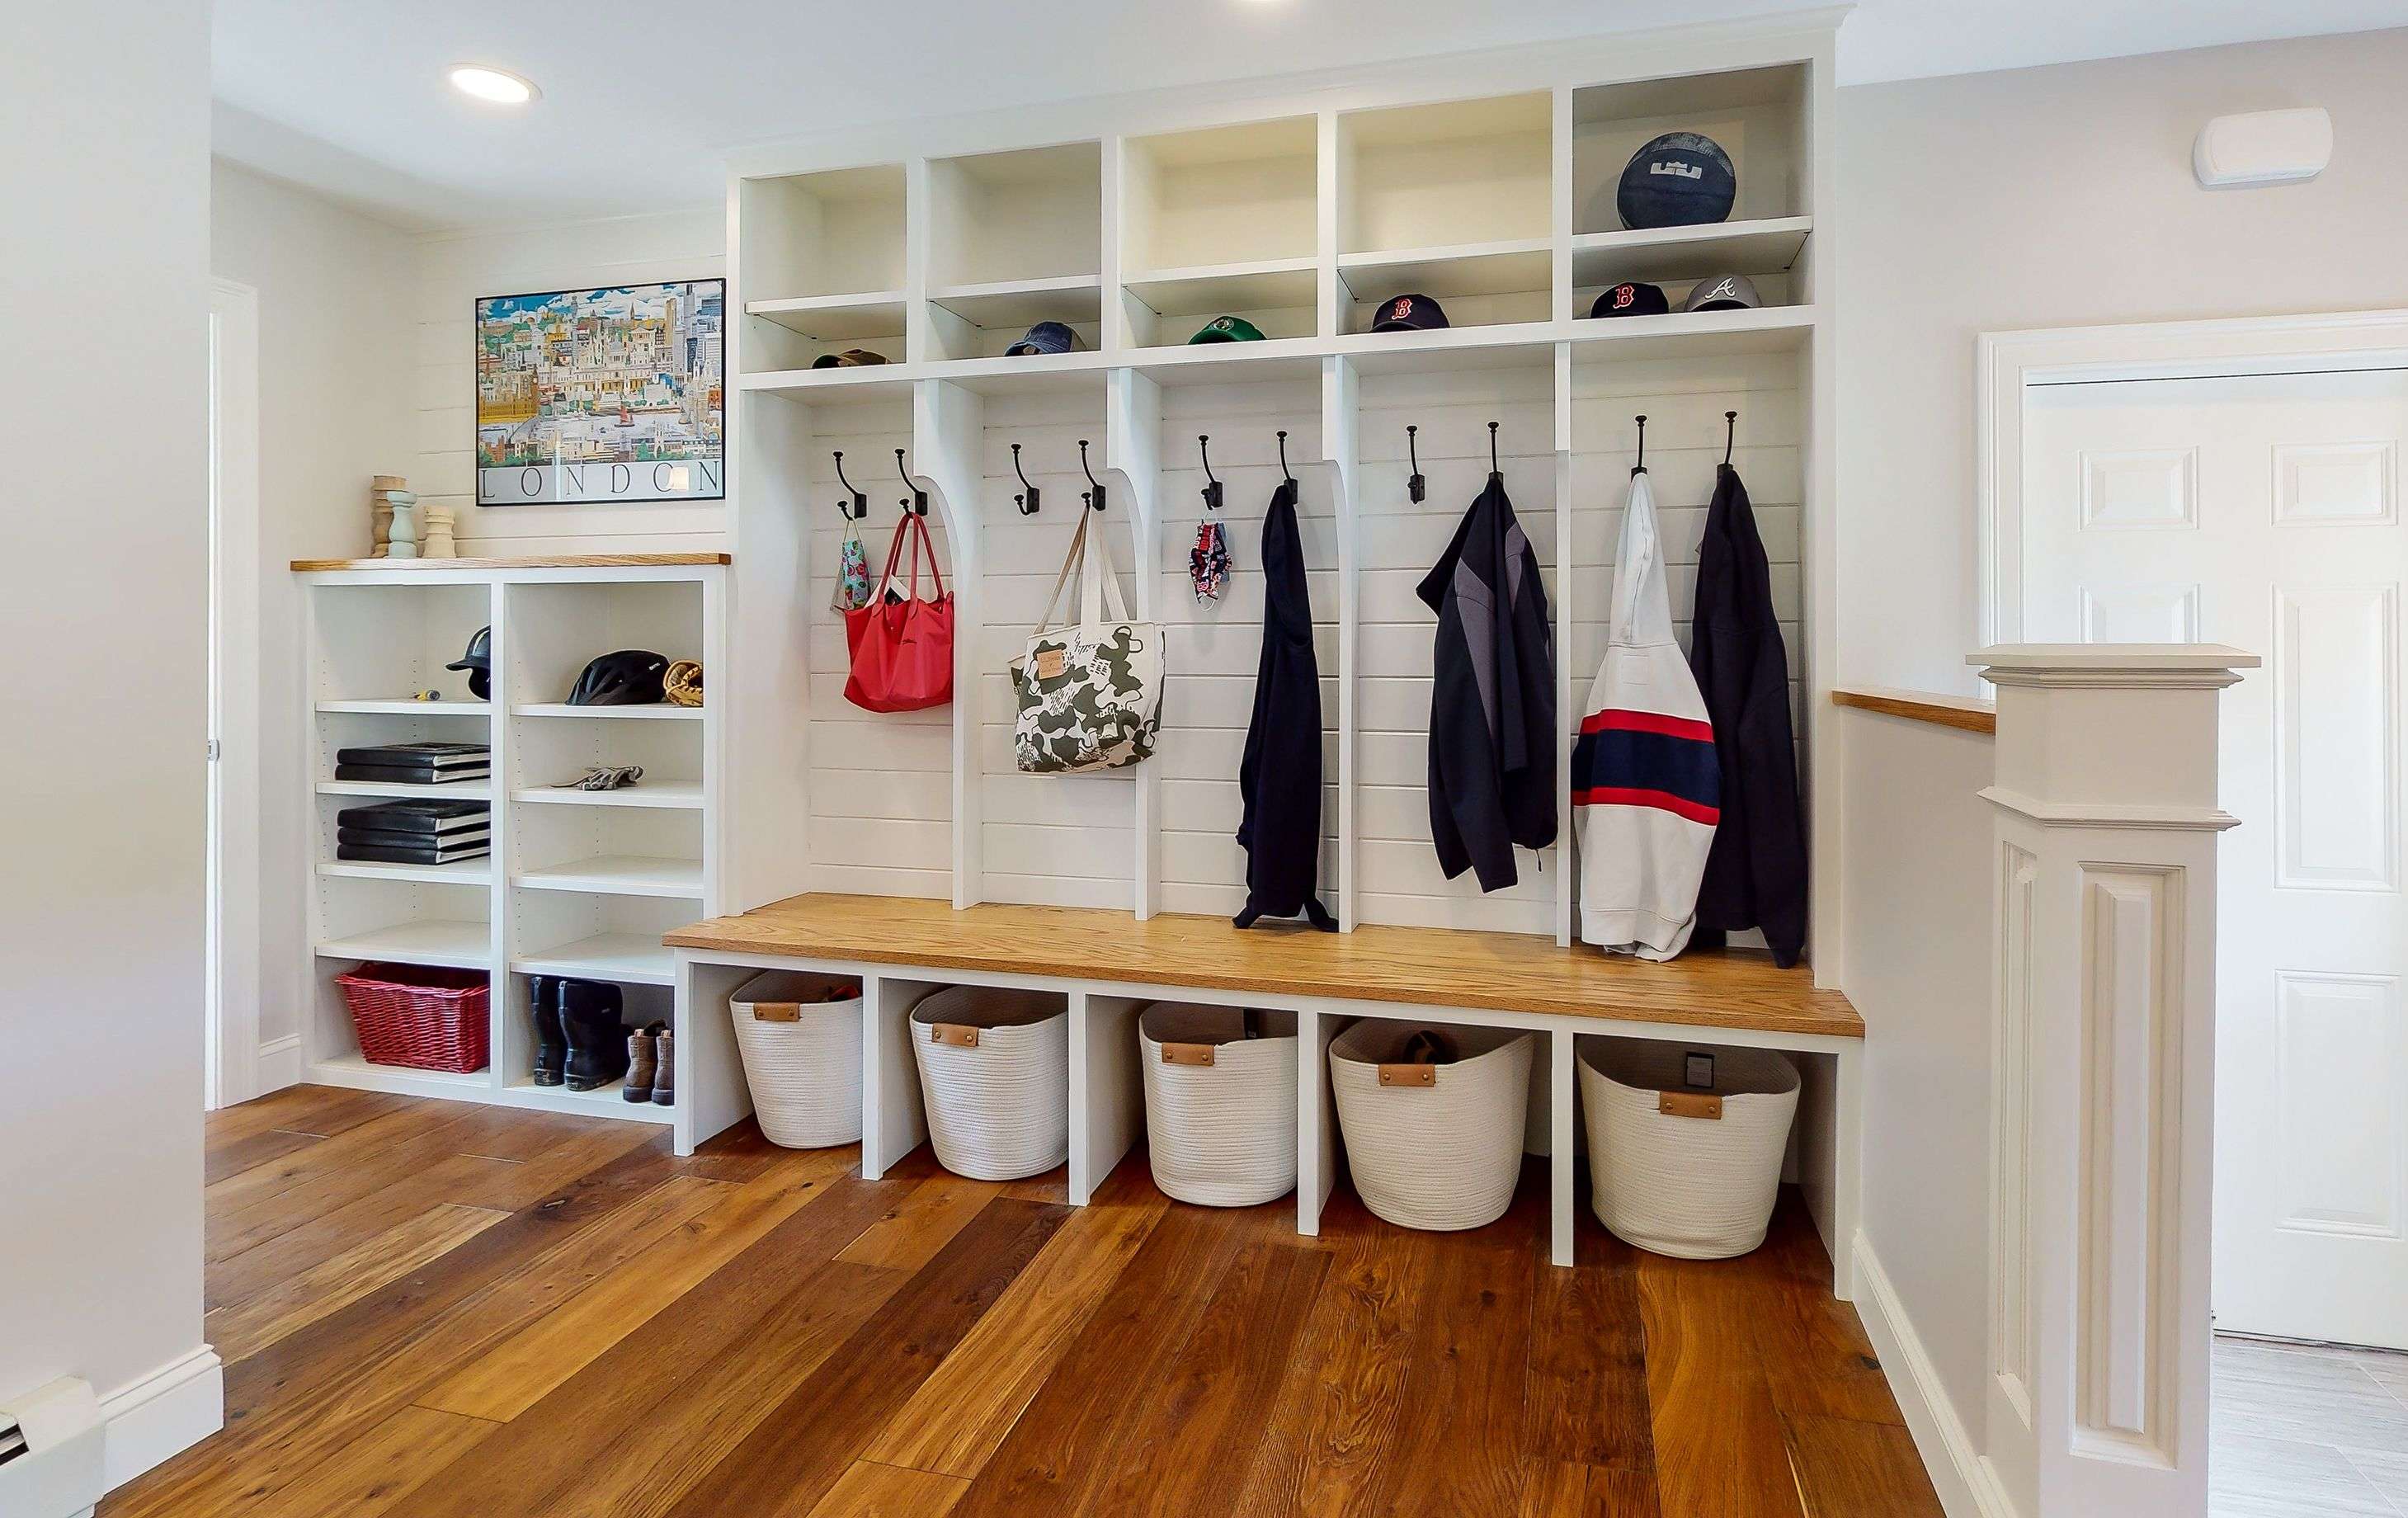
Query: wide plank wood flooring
[437,1311]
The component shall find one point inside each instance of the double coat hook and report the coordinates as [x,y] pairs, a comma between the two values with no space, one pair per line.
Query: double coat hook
[1027,499]
[1286,474]
[918,504]
[1730,435]
[1640,467]
[1093,497]
[1211,486]
[860,507]
[1417,488]
[1493,470]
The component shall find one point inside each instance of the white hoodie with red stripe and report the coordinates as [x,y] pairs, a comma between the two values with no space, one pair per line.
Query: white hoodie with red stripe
[1646,787]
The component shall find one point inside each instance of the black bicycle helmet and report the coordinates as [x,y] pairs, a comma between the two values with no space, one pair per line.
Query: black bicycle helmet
[478,662]
[629,677]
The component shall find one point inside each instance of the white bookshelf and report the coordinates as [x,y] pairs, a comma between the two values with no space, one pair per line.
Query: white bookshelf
[579,884]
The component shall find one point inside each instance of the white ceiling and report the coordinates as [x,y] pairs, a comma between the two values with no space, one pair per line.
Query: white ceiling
[641,100]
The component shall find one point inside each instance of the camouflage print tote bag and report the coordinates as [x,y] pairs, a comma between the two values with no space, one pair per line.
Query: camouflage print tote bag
[1090,693]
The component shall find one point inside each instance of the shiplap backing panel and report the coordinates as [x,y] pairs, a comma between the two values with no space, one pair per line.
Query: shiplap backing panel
[453,271]
[880,790]
[1401,879]
[1215,646]
[1064,841]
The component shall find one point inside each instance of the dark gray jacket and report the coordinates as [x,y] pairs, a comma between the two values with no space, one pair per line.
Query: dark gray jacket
[1491,733]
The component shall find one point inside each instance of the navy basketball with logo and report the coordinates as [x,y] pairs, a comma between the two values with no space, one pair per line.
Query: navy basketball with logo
[1680,178]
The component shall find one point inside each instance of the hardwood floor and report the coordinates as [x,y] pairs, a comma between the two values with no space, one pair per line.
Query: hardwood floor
[434,1310]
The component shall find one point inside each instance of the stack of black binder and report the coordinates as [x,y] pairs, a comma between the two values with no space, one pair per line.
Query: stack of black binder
[414,764]
[414,832]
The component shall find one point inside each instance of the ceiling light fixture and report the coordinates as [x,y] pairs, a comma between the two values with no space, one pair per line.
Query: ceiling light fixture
[499,86]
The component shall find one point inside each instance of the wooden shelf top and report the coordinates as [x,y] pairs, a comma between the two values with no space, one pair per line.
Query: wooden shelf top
[1427,966]
[535,561]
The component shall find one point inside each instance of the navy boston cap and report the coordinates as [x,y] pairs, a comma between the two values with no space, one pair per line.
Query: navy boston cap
[1409,313]
[1631,299]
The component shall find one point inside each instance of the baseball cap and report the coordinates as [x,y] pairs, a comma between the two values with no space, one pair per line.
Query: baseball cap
[1682,178]
[1631,299]
[852,358]
[1044,337]
[1228,329]
[1409,313]
[1723,293]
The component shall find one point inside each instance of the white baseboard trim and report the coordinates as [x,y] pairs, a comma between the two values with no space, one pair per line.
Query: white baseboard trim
[164,1413]
[1968,1487]
[280,1064]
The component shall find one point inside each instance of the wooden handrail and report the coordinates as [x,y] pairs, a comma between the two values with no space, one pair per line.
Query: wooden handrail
[1959,711]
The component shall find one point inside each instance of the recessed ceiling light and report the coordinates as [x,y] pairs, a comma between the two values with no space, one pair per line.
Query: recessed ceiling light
[499,86]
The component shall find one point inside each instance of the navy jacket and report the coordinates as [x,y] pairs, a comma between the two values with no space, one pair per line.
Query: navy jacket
[1280,777]
[1492,734]
[1756,875]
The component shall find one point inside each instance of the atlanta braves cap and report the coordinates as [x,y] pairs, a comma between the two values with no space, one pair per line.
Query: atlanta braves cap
[1044,337]
[1409,313]
[1631,299]
[1723,293]
[1228,329]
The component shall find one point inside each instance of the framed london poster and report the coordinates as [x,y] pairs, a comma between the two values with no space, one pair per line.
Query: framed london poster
[602,395]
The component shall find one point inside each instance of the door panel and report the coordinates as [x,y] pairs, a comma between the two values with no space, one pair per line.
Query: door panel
[2263,511]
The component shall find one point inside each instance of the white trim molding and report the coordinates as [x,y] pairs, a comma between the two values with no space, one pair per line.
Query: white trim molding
[1968,1484]
[163,1414]
[2007,364]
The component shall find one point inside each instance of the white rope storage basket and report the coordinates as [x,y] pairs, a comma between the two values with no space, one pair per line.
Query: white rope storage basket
[1220,1107]
[994,1074]
[1441,1155]
[802,1056]
[1689,1172]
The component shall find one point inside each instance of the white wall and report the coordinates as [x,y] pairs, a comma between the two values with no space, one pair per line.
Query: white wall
[2055,198]
[1918,953]
[104,167]
[334,385]
[452,272]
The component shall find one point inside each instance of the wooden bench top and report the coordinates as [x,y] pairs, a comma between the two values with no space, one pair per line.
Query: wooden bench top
[1511,972]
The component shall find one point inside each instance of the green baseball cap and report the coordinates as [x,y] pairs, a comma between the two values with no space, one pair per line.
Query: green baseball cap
[1228,329]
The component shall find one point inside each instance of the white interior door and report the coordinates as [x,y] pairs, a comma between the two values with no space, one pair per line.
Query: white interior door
[2263,511]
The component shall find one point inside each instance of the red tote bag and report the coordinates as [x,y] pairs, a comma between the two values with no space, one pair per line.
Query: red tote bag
[902,649]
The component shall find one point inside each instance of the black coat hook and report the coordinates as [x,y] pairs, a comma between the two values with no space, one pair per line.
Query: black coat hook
[1641,467]
[1417,488]
[1285,473]
[1026,500]
[1730,435]
[918,504]
[1492,468]
[1094,497]
[1211,486]
[860,507]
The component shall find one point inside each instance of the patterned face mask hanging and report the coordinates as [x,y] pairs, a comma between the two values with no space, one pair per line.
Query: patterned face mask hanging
[852,572]
[1207,565]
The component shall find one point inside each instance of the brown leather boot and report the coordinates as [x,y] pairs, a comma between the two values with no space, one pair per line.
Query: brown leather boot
[665,1080]
[643,1063]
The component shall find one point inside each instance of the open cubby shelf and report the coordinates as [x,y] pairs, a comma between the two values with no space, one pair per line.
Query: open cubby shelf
[1500,205]
[579,884]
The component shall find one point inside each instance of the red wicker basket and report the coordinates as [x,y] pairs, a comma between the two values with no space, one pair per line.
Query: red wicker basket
[425,1017]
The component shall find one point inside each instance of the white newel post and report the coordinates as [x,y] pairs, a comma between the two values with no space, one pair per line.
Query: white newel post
[2103,989]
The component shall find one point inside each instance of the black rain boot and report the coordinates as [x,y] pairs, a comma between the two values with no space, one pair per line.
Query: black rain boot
[597,1043]
[551,1040]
